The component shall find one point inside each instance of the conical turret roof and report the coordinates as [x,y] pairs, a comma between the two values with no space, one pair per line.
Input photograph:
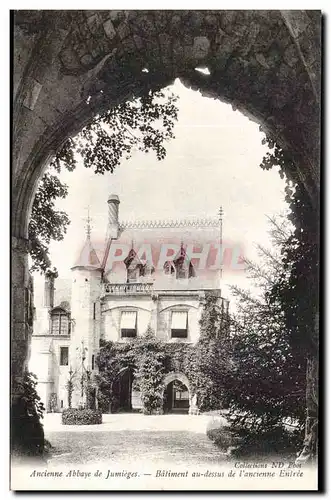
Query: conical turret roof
[87,257]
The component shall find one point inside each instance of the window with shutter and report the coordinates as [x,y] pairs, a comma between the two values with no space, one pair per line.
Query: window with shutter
[179,324]
[129,324]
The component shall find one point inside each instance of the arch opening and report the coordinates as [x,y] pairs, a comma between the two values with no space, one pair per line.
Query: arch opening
[122,390]
[176,394]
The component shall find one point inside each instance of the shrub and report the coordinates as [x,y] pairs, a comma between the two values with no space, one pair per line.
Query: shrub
[224,438]
[75,416]
[274,441]
[243,443]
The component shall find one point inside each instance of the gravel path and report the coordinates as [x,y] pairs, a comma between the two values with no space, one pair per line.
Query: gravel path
[132,438]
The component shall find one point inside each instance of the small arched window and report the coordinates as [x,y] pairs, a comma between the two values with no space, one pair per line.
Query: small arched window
[59,322]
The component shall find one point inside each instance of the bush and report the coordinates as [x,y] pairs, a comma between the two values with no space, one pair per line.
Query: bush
[275,441]
[224,438]
[242,443]
[75,416]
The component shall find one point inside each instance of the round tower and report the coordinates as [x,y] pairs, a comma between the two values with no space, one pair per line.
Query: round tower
[85,312]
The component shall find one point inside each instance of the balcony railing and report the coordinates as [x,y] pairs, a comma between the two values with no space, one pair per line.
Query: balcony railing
[128,289]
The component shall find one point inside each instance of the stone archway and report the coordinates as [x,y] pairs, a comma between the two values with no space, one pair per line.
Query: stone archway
[181,377]
[170,377]
[71,65]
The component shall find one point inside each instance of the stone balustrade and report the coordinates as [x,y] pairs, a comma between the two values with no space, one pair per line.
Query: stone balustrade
[128,289]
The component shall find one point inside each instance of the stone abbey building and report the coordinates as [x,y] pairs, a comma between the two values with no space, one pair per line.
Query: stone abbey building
[145,275]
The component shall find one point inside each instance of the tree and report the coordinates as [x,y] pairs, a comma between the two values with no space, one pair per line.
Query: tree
[46,223]
[110,360]
[298,283]
[70,386]
[144,124]
[212,355]
[150,362]
[266,384]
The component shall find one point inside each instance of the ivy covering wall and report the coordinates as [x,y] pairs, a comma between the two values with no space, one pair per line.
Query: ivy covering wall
[149,359]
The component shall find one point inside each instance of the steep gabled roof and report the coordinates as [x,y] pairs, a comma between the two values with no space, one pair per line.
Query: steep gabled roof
[182,256]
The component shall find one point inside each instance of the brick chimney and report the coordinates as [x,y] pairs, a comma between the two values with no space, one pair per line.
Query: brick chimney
[113,208]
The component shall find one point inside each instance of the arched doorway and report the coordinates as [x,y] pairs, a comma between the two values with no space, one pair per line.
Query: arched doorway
[122,391]
[177,395]
[176,398]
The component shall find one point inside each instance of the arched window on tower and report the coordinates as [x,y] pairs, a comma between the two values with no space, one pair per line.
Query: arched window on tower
[60,321]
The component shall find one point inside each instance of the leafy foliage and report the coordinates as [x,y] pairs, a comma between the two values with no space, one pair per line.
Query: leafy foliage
[267,381]
[212,355]
[27,434]
[85,416]
[149,359]
[46,222]
[242,442]
[150,372]
[52,406]
[144,124]
[70,386]
[180,357]
[89,391]
[296,289]
[110,359]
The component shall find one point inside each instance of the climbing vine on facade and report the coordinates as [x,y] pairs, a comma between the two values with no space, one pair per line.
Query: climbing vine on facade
[149,359]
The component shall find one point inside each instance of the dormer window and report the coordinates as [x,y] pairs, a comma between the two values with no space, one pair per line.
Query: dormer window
[184,268]
[181,270]
[134,268]
[132,274]
[169,268]
[59,322]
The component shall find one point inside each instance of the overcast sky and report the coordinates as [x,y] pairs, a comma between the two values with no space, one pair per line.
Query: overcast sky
[213,161]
